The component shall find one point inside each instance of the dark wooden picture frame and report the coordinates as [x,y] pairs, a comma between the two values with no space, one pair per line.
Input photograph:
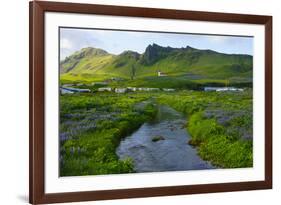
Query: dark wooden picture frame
[37,95]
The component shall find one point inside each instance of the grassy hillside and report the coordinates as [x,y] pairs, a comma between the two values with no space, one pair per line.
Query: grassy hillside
[87,60]
[123,65]
[91,64]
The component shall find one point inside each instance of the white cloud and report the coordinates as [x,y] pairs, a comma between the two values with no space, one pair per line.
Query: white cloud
[219,39]
[65,44]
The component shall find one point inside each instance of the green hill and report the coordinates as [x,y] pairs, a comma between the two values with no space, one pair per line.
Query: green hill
[87,60]
[92,64]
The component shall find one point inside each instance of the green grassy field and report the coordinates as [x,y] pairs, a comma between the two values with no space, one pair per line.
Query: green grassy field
[179,82]
[220,125]
[92,125]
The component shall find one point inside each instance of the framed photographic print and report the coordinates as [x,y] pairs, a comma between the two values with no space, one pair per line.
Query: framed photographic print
[139,102]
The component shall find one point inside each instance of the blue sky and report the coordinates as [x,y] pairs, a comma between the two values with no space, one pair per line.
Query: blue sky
[116,42]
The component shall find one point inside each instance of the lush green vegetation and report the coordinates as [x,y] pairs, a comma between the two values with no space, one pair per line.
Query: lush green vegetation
[220,125]
[87,60]
[89,63]
[91,127]
[180,82]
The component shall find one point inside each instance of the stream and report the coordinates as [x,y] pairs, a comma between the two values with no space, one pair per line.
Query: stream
[170,152]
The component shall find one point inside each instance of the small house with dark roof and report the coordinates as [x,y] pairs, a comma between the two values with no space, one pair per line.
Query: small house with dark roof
[160,74]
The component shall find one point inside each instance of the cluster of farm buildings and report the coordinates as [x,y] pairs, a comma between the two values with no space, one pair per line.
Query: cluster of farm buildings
[66,89]
[222,89]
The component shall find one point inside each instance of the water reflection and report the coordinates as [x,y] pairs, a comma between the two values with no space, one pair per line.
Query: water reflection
[169,153]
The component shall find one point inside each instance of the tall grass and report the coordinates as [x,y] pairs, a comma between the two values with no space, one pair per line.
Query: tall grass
[92,126]
[218,123]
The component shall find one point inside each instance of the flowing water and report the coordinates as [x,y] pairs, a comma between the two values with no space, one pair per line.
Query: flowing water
[170,153]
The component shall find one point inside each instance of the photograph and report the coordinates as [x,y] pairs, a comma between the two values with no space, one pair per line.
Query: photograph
[132,102]
[151,101]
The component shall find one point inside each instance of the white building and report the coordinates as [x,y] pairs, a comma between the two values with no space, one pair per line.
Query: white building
[168,89]
[99,83]
[120,90]
[148,89]
[153,89]
[65,91]
[134,89]
[161,74]
[108,89]
[223,89]
[73,90]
